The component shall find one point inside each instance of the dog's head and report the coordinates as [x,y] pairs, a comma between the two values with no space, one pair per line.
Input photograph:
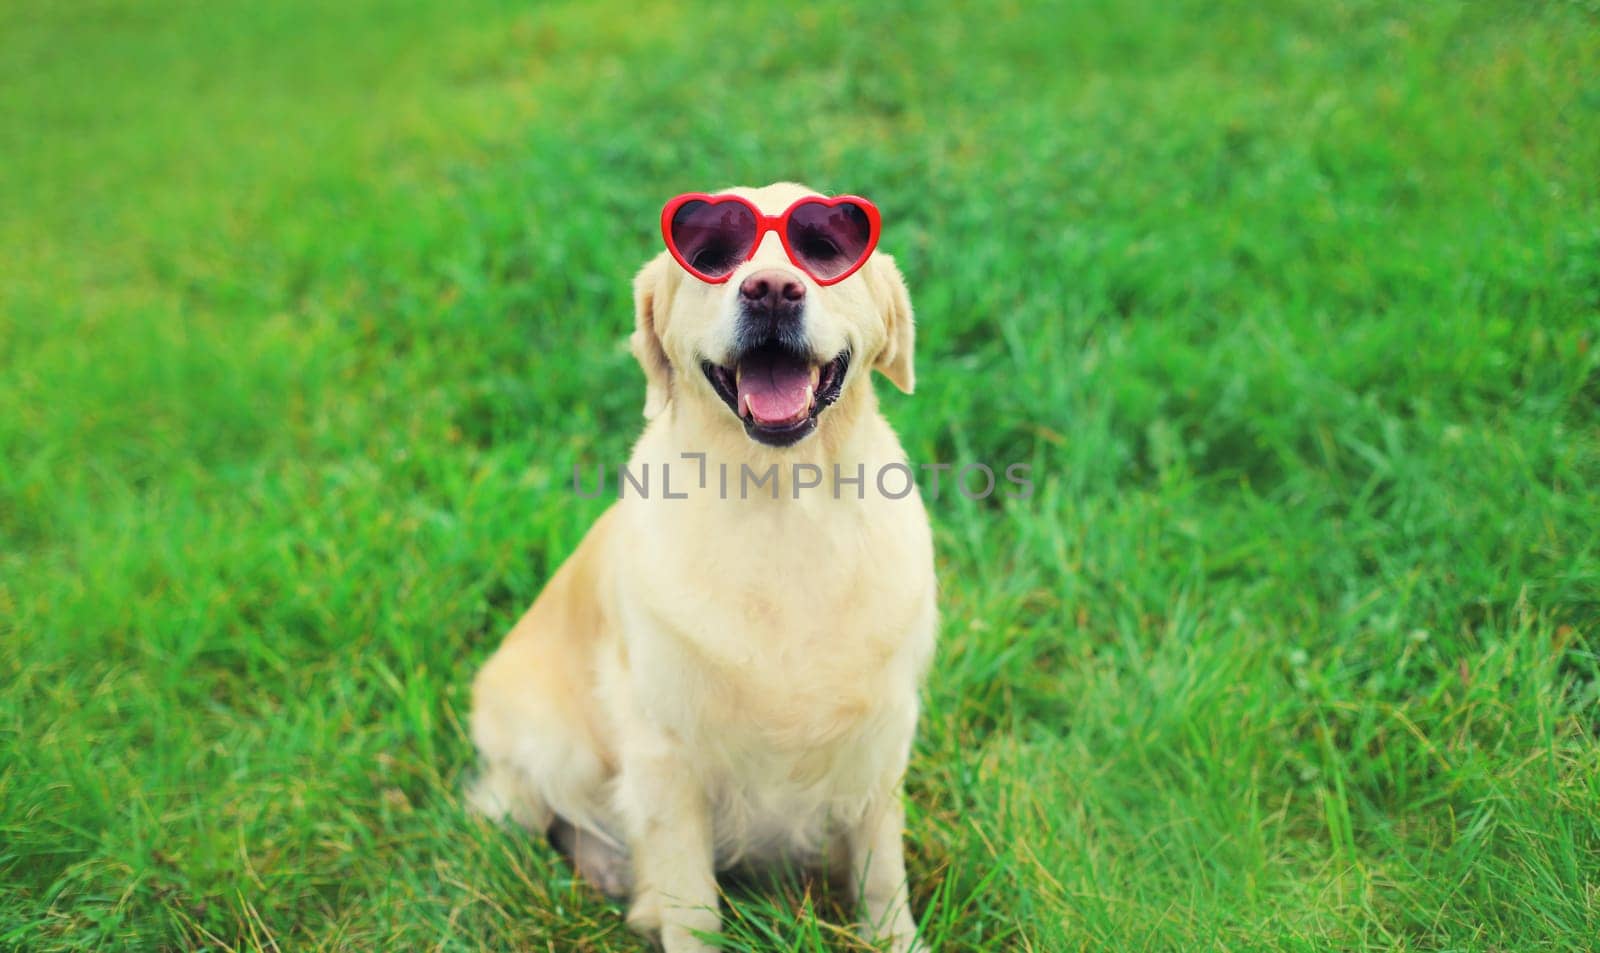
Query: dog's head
[769,348]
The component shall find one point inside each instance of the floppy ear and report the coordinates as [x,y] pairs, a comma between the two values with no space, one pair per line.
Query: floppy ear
[900,333]
[650,292]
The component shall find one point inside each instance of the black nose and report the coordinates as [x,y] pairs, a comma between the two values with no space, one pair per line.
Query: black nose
[771,290]
[772,306]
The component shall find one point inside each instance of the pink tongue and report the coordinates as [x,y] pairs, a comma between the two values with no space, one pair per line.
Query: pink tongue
[774,390]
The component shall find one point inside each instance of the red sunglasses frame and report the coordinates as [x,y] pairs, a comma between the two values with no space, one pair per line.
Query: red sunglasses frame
[771,223]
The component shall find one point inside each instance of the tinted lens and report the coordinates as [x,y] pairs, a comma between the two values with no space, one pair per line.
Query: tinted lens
[829,240]
[713,238]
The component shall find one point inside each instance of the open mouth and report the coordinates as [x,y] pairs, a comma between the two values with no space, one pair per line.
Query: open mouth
[778,393]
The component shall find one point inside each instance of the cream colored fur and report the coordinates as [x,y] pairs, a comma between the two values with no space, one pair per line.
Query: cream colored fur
[711,680]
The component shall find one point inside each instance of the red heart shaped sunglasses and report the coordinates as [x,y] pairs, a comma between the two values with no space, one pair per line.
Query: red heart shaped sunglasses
[712,235]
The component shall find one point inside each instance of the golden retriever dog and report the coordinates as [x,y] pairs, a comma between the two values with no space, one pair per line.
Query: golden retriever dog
[726,669]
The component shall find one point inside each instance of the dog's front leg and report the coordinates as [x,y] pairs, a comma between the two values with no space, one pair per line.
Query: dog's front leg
[670,836]
[878,873]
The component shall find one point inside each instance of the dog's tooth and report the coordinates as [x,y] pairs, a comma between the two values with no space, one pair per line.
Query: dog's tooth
[811,394]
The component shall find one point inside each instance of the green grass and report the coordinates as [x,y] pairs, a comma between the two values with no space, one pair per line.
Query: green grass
[306,311]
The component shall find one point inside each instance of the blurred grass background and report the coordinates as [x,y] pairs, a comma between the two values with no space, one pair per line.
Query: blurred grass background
[307,310]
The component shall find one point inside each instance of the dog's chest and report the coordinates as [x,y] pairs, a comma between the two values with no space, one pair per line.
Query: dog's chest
[781,646]
[792,712]
[769,803]
[794,629]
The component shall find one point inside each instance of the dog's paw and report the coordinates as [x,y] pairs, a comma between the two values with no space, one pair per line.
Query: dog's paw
[683,935]
[602,864]
[605,868]
[644,916]
[684,939]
